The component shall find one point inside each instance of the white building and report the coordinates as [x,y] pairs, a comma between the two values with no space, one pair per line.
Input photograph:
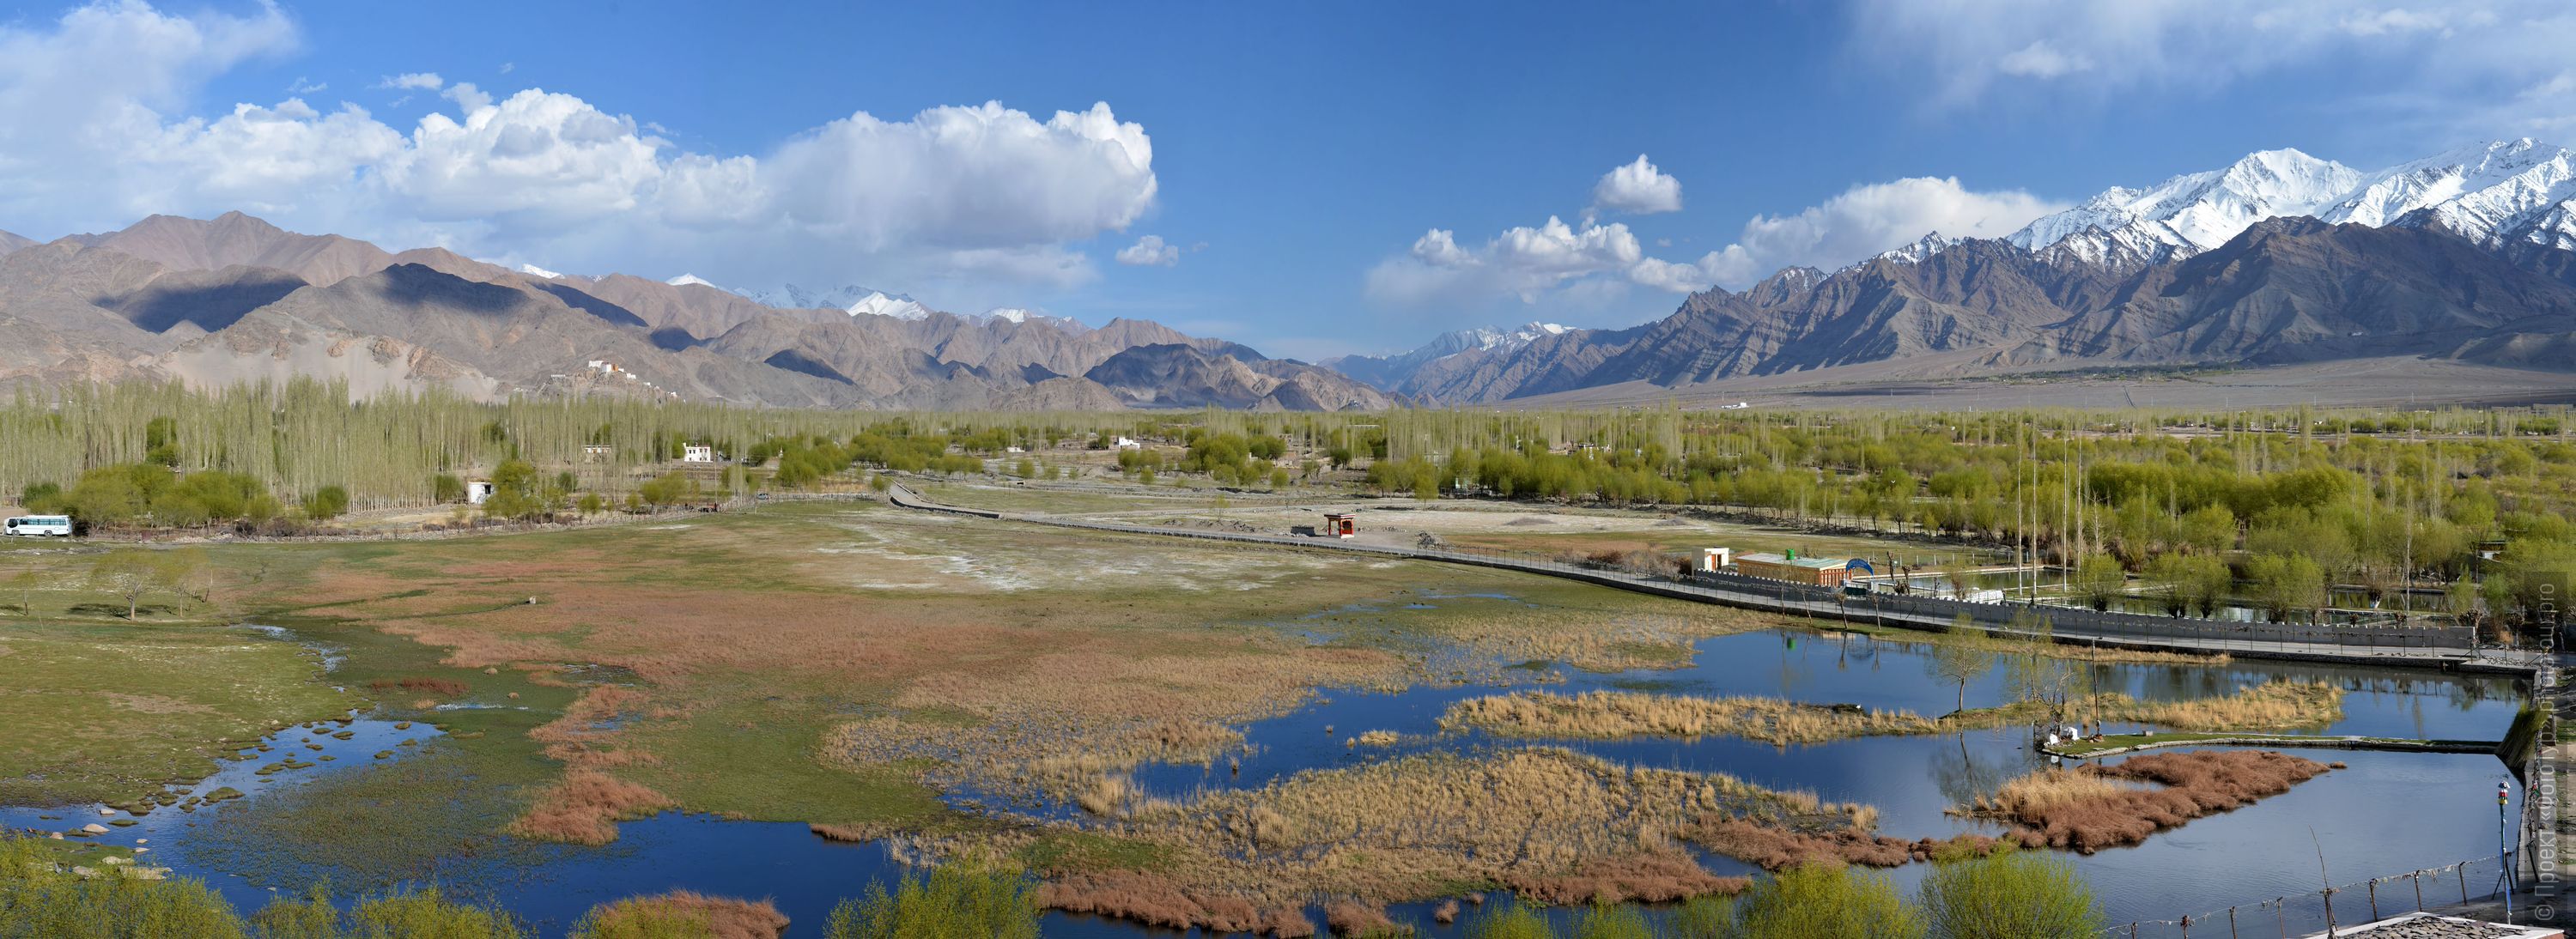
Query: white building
[693,453]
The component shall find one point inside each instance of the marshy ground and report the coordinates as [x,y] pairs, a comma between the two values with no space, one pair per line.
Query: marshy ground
[964,688]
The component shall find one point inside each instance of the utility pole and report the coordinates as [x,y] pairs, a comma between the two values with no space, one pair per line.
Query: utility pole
[2504,847]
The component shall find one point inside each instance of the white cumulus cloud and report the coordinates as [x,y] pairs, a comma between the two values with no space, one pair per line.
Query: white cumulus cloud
[413,81]
[1150,251]
[1526,262]
[1868,219]
[1638,188]
[100,134]
[1531,263]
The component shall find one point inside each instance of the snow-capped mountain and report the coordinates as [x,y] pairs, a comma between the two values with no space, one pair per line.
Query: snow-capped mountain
[2190,213]
[851,299]
[1011,314]
[2495,194]
[1392,371]
[1493,339]
[857,301]
[846,298]
[1923,247]
[879,303]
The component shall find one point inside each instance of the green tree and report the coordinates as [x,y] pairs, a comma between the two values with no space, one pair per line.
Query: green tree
[2099,580]
[592,504]
[326,503]
[515,492]
[667,489]
[2008,895]
[2286,584]
[44,498]
[445,488]
[1958,663]
[161,442]
[2464,604]
[130,574]
[24,583]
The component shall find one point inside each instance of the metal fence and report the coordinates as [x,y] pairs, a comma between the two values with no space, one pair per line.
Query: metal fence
[2378,637]
[2364,642]
[2309,912]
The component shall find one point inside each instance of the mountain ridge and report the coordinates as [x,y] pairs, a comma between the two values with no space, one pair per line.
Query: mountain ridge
[235,298]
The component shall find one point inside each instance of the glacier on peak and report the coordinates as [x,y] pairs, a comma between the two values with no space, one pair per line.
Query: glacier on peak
[2492,193]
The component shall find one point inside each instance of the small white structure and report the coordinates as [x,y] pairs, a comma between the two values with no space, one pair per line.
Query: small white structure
[1128,443]
[1737,406]
[693,453]
[1711,559]
[477,490]
[1013,449]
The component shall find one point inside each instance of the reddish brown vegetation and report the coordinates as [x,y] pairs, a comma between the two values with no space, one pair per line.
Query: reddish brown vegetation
[584,808]
[851,833]
[1157,901]
[1775,848]
[723,917]
[2080,809]
[1650,878]
[1352,918]
[442,687]
[578,739]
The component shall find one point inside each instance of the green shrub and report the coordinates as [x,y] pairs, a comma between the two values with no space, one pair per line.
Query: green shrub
[954,902]
[39,899]
[2009,895]
[1510,920]
[1824,901]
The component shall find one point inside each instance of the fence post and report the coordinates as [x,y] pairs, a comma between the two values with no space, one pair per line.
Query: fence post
[2374,901]
[2418,878]
[2231,923]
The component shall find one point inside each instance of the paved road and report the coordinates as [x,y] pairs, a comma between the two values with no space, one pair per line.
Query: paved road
[2180,635]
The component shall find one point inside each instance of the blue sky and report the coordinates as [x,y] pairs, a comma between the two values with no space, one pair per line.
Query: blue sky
[1294,162]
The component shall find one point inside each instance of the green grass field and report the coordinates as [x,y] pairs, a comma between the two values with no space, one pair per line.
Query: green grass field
[98,712]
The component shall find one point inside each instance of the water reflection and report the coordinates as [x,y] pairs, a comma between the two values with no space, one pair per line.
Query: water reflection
[2387,813]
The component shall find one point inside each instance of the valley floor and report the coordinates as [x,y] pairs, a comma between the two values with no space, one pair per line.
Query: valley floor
[966,689]
[2399,383]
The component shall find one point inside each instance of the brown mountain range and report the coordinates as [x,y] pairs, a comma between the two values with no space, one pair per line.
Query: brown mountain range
[2288,290]
[235,298]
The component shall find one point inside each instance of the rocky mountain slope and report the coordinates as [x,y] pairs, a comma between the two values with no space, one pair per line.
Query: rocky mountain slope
[235,298]
[2279,258]
[1394,370]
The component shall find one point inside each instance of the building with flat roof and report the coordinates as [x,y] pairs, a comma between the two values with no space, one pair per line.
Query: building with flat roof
[1822,572]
